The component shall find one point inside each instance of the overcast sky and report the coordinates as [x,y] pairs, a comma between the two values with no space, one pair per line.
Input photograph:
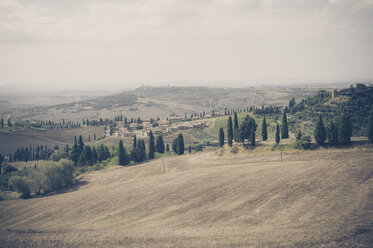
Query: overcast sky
[106,44]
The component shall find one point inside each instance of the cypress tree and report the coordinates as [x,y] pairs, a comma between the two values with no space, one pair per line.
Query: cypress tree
[221,137]
[252,136]
[94,154]
[344,129]
[122,154]
[190,149]
[332,134]
[167,148]
[94,136]
[264,129]
[159,144]
[284,127]
[81,144]
[180,144]
[2,123]
[151,145]
[174,145]
[74,154]
[370,128]
[9,122]
[141,151]
[230,131]
[134,141]
[320,132]
[277,135]
[235,127]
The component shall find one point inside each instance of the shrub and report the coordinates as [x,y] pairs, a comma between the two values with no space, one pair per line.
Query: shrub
[8,169]
[21,185]
[303,143]
[234,149]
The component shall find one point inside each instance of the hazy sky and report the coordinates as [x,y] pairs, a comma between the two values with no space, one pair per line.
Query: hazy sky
[113,43]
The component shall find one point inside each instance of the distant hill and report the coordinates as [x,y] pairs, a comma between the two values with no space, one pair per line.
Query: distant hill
[151,102]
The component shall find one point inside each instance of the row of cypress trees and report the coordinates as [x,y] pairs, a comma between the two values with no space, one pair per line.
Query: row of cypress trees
[139,154]
[248,128]
[338,133]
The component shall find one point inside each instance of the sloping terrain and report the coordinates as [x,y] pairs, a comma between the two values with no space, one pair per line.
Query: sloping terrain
[319,198]
[151,102]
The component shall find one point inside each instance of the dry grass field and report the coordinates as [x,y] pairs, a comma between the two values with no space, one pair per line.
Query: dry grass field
[320,198]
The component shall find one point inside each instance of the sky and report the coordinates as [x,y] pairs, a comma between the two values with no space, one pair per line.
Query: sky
[84,44]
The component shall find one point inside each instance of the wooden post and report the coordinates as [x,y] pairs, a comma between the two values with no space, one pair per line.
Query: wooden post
[281,154]
[164,167]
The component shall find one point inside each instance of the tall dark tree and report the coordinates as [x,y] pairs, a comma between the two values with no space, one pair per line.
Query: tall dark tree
[252,136]
[235,127]
[344,129]
[284,127]
[74,154]
[81,144]
[180,144]
[95,155]
[151,145]
[174,145]
[133,154]
[370,128]
[230,131]
[221,137]
[167,148]
[141,150]
[9,122]
[277,135]
[2,123]
[159,144]
[320,132]
[332,134]
[122,154]
[190,149]
[1,163]
[264,129]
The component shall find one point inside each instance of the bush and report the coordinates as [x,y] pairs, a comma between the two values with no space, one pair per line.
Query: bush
[41,180]
[8,169]
[234,149]
[21,185]
[303,143]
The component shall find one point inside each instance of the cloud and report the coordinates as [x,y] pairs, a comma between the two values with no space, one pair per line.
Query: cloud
[138,21]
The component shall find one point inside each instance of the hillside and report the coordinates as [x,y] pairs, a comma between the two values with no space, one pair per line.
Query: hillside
[356,100]
[205,200]
[151,102]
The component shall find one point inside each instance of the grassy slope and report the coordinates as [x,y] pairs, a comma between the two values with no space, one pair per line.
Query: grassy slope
[205,200]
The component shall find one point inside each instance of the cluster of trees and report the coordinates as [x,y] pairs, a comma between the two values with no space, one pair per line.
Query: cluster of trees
[9,123]
[138,152]
[247,129]
[266,110]
[39,181]
[178,145]
[335,134]
[84,155]
[31,153]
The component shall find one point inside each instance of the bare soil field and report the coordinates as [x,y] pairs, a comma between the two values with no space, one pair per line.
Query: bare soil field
[321,198]
[10,141]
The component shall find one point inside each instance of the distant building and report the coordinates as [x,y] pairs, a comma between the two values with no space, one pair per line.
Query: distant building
[174,118]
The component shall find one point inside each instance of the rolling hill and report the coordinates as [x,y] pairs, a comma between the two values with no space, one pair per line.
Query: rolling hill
[320,198]
[151,102]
